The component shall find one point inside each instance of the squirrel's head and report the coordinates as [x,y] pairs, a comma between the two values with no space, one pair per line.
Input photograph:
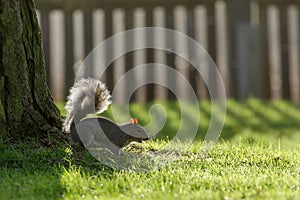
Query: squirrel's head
[135,132]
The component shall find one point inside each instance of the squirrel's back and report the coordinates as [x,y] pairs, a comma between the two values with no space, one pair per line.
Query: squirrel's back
[87,96]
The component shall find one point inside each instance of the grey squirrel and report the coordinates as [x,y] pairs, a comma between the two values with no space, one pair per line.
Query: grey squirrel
[90,96]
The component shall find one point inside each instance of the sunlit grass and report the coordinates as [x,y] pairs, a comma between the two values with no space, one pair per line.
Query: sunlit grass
[257,157]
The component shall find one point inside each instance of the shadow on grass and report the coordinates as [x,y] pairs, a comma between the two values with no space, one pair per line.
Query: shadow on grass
[33,172]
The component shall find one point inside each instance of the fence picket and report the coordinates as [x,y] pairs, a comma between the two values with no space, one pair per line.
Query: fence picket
[69,54]
[284,53]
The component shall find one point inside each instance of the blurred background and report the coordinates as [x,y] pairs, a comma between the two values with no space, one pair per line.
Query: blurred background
[255,43]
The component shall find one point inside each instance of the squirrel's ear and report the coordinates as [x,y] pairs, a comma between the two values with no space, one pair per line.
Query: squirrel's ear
[134,121]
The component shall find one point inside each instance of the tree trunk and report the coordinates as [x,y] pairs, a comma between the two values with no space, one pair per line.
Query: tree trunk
[27,110]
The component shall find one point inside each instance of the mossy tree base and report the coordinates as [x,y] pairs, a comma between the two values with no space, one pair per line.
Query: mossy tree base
[27,110]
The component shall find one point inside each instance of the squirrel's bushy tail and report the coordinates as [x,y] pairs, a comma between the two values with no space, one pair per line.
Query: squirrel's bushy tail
[87,96]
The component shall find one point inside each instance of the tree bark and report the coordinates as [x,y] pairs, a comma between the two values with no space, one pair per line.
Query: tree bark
[27,110]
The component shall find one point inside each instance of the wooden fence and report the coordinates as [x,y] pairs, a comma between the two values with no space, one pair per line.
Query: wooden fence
[255,44]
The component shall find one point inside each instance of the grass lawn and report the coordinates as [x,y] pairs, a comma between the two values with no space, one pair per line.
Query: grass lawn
[257,157]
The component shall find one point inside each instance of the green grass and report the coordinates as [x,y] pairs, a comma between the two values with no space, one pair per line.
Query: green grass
[257,157]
